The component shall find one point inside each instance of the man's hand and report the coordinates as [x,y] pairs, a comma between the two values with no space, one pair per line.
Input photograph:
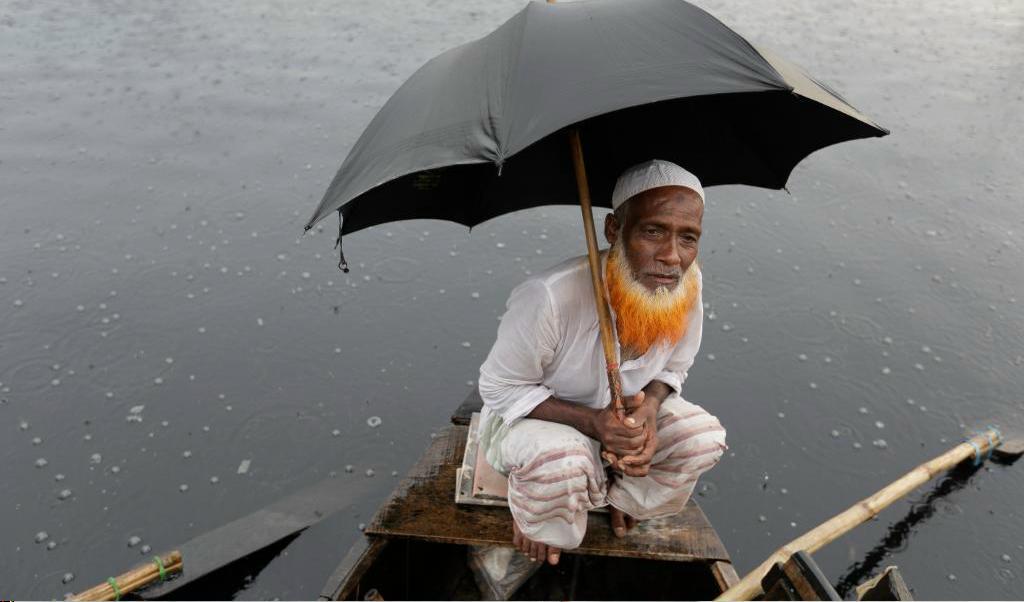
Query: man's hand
[620,437]
[641,410]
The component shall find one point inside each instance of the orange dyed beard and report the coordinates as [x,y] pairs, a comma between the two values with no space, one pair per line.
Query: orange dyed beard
[644,318]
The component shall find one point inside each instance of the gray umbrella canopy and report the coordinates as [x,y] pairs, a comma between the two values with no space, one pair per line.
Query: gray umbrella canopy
[478,131]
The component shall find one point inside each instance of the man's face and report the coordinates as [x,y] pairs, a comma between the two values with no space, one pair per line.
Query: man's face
[660,233]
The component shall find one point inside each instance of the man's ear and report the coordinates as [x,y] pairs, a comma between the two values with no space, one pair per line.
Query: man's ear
[611,228]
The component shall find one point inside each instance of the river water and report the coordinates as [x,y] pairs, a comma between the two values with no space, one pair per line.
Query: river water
[163,320]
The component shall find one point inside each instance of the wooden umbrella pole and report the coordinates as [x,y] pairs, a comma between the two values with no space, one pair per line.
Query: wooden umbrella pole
[604,317]
[134,579]
[827,532]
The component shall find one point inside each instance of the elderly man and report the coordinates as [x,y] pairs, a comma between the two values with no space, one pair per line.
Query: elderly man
[547,420]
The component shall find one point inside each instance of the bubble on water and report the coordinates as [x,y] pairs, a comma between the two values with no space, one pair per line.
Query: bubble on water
[306,275]
[1006,558]
[55,382]
[349,468]
[51,545]
[880,443]
[169,360]
[64,494]
[879,424]
[910,401]
[335,433]
[711,357]
[887,340]
[243,468]
[369,472]
[18,303]
[202,329]
[862,410]
[58,477]
[42,536]
[145,549]
[80,308]
[466,344]
[95,458]
[802,357]
[374,421]
[337,349]
[186,454]
[951,577]
[726,327]
[918,366]
[68,578]
[394,473]
[134,540]
[781,414]
[857,445]
[361,526]
[115,469]
[886,370]
[23,425]
[259,321]
[761,518]
[475,295]
[813,385]
[835,434]
[36,440]
[158,380]
[41,462]
[183,488]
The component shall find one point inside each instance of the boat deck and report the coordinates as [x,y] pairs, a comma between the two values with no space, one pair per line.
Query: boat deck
[423,507]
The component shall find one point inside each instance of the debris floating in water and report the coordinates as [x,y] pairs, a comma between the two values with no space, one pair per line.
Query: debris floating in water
[373,421]
[243,468]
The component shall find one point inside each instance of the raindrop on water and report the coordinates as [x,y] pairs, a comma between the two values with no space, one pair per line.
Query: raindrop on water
[374,421]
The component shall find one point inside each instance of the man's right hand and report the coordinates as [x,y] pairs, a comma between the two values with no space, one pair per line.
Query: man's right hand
[615,436]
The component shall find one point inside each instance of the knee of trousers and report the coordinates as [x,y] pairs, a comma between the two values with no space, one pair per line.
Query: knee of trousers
[708,431]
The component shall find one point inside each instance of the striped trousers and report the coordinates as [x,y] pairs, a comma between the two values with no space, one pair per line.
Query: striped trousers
[556,475]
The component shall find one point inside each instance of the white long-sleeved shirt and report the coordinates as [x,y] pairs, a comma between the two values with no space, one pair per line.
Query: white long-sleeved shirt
[549,344]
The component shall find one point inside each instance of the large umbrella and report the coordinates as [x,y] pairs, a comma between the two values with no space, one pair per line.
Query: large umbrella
[480,130]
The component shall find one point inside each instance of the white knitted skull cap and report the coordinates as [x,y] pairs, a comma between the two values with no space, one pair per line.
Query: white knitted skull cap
[653,174]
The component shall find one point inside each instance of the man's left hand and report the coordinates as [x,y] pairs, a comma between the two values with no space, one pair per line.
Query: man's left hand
[642,410]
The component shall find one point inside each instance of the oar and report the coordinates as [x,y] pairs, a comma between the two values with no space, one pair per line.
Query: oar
[980,446]
[159,569]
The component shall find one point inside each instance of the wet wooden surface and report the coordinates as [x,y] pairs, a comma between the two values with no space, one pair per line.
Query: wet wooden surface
[464,413]
[423,507]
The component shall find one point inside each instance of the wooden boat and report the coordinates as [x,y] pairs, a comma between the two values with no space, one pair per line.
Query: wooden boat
[416,545]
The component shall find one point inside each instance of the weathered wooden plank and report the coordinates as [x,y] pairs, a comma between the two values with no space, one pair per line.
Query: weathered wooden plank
[471,404]
[347,576]
[423,507]
[799,578]
[887,586]
[725,574]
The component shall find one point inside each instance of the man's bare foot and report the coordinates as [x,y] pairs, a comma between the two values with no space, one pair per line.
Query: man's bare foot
[621,522]
[533,549]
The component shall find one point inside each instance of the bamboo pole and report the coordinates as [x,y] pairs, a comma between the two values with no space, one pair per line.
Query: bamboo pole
[604,317]
[134,579]
[827,532]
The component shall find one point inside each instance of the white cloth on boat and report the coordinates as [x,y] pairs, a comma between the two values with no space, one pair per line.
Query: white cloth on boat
[556,473]
[549,344]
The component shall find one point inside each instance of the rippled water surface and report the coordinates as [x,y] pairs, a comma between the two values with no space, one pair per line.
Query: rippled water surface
[163,320]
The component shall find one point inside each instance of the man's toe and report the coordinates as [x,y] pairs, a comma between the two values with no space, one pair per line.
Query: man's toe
[553,555]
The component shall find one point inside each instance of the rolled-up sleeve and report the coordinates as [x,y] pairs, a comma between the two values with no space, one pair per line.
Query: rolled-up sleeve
[511,377]
[678,365]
